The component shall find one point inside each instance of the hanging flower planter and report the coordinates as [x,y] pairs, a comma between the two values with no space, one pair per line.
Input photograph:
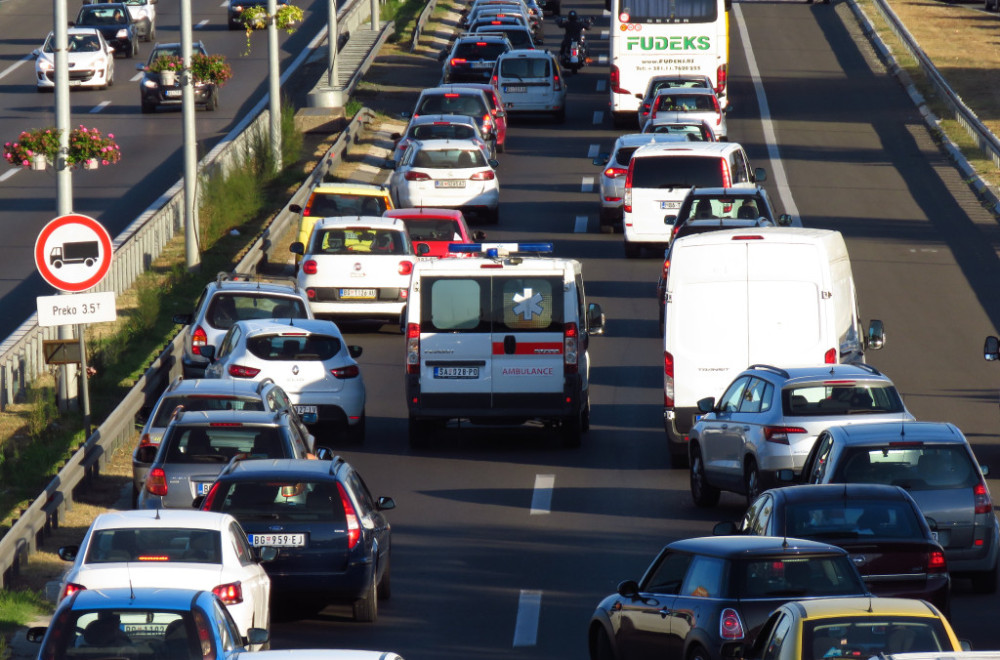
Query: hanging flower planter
[37,148]
[39,162]
[91,164]
[168,78]
[33,149]
[286,17]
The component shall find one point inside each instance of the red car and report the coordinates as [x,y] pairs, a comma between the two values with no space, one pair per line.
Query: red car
[437,229]
[496,107]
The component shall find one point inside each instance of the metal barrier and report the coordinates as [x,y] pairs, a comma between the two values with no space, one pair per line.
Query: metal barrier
[421,22]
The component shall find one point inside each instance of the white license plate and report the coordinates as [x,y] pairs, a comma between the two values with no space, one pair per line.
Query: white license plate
[278,540]
[203,488]
[482,65]
[456,372]
[514,89]
[670,205]
[304,410]
[450,183]
[173,92]
[367,294]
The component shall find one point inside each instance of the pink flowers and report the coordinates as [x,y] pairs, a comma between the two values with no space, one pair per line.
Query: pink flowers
[85,144]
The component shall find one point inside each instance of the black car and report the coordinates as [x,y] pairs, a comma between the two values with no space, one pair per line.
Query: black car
[153,93]
[889,540]
[332,536]
[705,597]
[473,57]
[115,24]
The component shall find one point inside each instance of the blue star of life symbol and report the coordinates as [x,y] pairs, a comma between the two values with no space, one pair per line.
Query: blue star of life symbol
[528,305]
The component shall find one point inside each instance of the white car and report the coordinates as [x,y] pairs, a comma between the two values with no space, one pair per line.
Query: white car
[91,60]
[308,358]
[182,549]
[144,16]
[451,174]
[690,103]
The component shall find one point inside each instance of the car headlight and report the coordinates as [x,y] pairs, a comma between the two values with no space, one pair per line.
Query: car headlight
[151,84]
[237,9]
[122,34]
[45,65]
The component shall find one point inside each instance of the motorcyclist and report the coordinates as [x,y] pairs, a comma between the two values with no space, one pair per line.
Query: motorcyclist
[574,27]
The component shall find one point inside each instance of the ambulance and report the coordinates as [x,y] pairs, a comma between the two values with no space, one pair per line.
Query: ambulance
[499,337]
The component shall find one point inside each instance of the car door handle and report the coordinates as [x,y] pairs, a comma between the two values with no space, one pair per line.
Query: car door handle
[664,613]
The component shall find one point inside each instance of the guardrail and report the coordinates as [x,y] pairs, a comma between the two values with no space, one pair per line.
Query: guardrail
[421,22]
[46,510]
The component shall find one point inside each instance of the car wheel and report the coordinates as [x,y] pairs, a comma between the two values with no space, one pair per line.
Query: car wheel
[632,250]
[111,74]
[385,584]
[356,433]
[500,147]
[366,608]
[133,50]
[601,649]
[698,652]
[985,582]
[152,32]
[751,481]
[619,121]
[703,494]
[419,431]
[135,497]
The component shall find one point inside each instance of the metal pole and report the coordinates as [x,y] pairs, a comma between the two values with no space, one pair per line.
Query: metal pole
[375,22]
[333,42]
[274,80]
[192,255]
[84,385]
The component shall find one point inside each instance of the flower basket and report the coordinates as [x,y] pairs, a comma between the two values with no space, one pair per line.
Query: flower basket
[34,149]
[168,66]
[88,148]
[91,164]
[210,69]
[286,17]
[37,148]
[39,162]
[168,78]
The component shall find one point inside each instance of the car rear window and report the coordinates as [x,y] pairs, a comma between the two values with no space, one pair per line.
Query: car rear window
[913,466]
[517,36]
[678,84]
[279,499]
[443,131]
[225,309]
[218,444]
[867,636]
[106,633]
[845,398]
[168,544]
[507,304]
[480,50]
[203,402]
[792,577]
[852,519]
[677,172]
[689,132]
[325,205]
[437,159]
[685,103]
[301,348]
[358,241]
[526,67]
[452,104]
[433,230]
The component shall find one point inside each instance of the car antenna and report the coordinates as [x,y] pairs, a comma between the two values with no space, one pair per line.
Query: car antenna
[157,516]
[870,602]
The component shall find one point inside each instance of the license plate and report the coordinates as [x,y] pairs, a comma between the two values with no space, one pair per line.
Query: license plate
[172,92]
[278,540]
[456,372]
[303,410]
[203,488]
[482,65]
[368,294]
[670,205]
[514,89]
[450,183]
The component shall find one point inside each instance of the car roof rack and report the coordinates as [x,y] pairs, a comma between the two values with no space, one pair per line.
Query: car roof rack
[867,367]
[766,367]
[234,276]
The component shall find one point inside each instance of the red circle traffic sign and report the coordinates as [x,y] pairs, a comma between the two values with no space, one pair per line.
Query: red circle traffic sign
[73,252]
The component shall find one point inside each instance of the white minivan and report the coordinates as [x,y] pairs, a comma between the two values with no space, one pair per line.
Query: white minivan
[659,177]
[774,295]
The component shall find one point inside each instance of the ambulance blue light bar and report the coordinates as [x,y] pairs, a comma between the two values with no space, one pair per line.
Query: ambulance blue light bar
[499,250]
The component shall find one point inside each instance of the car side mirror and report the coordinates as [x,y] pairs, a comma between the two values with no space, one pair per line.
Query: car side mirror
[422,249]
[991,349]
[786,476]
[601,159]
[295,208]
[72,24]
[784,220]
[145,454]
[208,351]
[443,54]
[385,503]
[140,66]
[68,552]
[406,114]
[142,416]
[706,405]
[36,634]
[267,553]
[595,319]
[257,636]
[35,53]
[628,589]
[727,528]
[182,319]
[297,248]
[759,175]
[494,163]
[640,96]
[395,137]
[876,334]
[324,453]
[354,350]
[985,469]
[479,235]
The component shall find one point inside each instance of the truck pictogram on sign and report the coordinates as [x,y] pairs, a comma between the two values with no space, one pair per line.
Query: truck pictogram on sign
[73,253]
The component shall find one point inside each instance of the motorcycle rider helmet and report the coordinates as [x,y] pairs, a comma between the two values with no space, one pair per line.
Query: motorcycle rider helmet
[572,15]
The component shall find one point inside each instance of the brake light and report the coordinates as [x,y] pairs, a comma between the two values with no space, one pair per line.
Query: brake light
[310,267]
[485,175]
[458,60]
[495,81]
[353,528]
[146,441]
[204,635]
[451,95]
[727,179]
[982,498]
[722,76]
[156,482]
[666,267]
[350,371]
[405,267]
[239,371]
[70,589]
[416,176]
[206,504]
[936,562]
[481,44]
[615,80]
[668,380]
[571,342]
[627,201]
[230,594]
[556,83]
[779,434]
[311,294]
[413,348]
[487,123]
[198,339]
[615,172]
[730,626]
[831,356]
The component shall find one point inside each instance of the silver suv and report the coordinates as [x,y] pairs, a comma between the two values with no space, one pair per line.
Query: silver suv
[232,298]
[198,444]
[768,419]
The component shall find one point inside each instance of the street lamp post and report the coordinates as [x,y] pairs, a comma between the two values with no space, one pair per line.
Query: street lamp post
[192,254]
[274,81]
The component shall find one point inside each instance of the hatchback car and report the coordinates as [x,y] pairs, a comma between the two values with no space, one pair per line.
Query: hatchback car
[186,549]
[309,359]
[143,623]
[231,298]
[696,102]
[704,597]
[453,100]
[496,108]
[935,464]
[153,93]
[436,229]
[197,445]
[91,60]
[333,539]
[472,57]
[447,174]
[852,628]
[531,82]
[114,22]
[657,84]
[768,419]
[443,127]
[891,544]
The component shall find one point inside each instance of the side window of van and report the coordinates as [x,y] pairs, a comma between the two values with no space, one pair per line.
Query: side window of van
[581,302]
[741,173]
[528,303]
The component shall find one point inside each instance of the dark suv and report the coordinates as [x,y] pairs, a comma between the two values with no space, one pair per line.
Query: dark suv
[472,58]
[153,92]
[332,536]
[112,19]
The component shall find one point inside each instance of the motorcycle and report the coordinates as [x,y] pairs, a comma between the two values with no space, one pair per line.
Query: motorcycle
[576,54]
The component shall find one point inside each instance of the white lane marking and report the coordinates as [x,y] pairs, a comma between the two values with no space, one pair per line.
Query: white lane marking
[201,24]
[529,606]
[13,66]
[8,174]
[602,59]
[225,4]
[541,496]
[593,151]
[777,167]
[587,184]
[100,106]
[137,77]
[605,34]
[599,117]
[602,85]
[579,227]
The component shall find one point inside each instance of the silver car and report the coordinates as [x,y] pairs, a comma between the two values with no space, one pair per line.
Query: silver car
[934,463]
[198,444]
[768,420]
[451,127]
[693,102]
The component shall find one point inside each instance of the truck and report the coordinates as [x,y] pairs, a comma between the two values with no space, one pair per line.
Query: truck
[77,252]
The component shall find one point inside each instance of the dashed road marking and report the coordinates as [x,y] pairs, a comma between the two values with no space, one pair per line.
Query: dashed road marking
[599,117]
[605,34]
[593,151]
[579,227]
[201,24]
[602,85]
[541,496]
[602,59]
[99,107]
[529,606]
[8,174]
[137,77]
[587,184]
[13,66]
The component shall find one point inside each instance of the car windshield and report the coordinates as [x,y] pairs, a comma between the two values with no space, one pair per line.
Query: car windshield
[685,103]
[525,67]
[129,633]
[852,518]
[867,636]
[843,398]
[228,308]
[433,230]
[443,131]
[914,466]
[218,444]
[444,159]
[172,51]
[300,348]
[358,241]
[101,16]
[135,3]
[479,50]
[279,499]
[774,577]
[155,544]
[325,205]
[76,43]
[202,402]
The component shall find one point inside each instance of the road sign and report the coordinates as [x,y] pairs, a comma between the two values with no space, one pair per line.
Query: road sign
[73,252]
[76,308]
[61,351]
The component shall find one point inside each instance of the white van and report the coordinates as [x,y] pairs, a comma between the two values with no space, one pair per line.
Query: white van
[499,338]
[774,295]
[659,177]
[531,81]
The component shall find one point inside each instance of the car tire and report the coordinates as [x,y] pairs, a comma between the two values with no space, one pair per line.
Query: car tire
[152,32]
[111,76]
[985,582]
[601,649]
[571,430]
[419,432]
[356,433]
[751,481]
[632,251]
[619,121]
[133,50]
[698,652]
[385,584]
[493,216]
[366,608]
[703,494]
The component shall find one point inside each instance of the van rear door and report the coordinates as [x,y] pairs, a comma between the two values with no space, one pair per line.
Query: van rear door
[659,185]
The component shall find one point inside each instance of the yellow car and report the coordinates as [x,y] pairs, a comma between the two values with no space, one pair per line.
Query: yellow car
[860,628]
[335,199]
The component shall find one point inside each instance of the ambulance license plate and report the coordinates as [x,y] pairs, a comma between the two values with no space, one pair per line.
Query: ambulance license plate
[278,540]
[456,372]
[358,294]
[450,183]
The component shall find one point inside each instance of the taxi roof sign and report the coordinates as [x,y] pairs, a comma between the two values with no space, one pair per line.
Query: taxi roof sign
[500,250]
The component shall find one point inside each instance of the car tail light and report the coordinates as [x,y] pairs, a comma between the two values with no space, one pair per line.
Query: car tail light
[416,176]
[779,434]
[413,348]
[311,294]
[485,175]
[616,78]
[480,44]
[727,179]
[307,211]
[556,83]
[666,268]
[458,60]
[310,267]
[70,589]
[206,504]
[831,356]
[198,339]
[571,344]
[722,76]
[239,371]
[982,498]
[156,482]
[936,562]
[487,123]
[627,201]
[730,626]
[451,95]
[204,629]
[718,111]
[495,81]
[405,267]
[615,172]
[350,371]
[353,528]
[230,594]
[668,380]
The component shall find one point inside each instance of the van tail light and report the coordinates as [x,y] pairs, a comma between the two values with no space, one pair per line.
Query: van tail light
[485,175]
[239,371]
[982,498]
[206,504]
[936,562]
[615,172]
[413,348]
[198,339]
[310,267]
[405,267]
[495,81]
[416,176]
[627,200]
[350,371]
[668,380]
[458,60]
[666,269]
[616,79]
[156,482]
[730,626]
[831,356]
[353,528]
[779,434]
[721,77]
[571,347]
[556,82]
[727,178]
[70,589]
[204,629]
[230,594]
